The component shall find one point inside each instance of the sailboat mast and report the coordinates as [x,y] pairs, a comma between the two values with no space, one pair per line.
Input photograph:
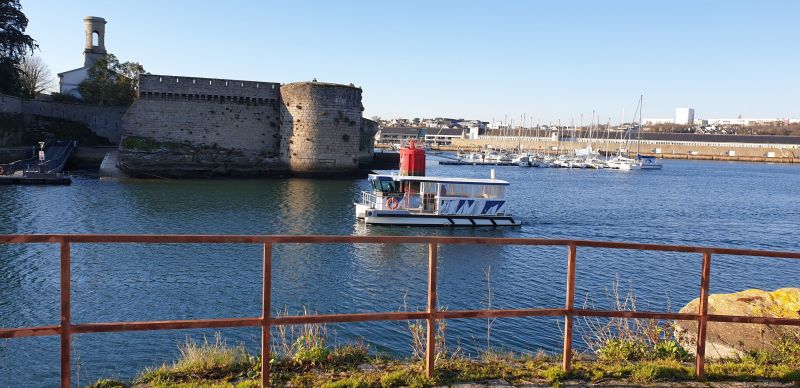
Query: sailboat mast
[639,131]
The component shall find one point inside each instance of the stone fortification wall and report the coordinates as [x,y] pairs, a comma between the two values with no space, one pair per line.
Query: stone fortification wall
[231,114]
[201,126]
[186,126]
[103,121]
[321,127]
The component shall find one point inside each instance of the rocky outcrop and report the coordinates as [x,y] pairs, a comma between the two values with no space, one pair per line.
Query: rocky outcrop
[731,339]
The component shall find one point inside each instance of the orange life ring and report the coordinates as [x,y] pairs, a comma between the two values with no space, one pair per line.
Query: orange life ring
[392,203]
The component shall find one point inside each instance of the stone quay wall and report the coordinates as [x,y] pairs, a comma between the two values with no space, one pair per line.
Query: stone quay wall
[103,121]
[321,126]
[675,150]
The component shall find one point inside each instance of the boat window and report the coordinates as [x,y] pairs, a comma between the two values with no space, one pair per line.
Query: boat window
[492,191]
[389,187]
[428,188]
[455,190]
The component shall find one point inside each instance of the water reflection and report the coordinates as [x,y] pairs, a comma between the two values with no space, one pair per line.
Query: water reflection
[738,205]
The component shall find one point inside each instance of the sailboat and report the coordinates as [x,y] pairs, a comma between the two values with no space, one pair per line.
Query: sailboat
[644,162]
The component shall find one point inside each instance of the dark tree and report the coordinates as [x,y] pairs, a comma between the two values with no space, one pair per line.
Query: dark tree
[14,45]
[111,83]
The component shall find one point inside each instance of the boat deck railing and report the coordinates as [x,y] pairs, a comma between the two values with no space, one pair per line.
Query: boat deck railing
[65,329]
[368,199]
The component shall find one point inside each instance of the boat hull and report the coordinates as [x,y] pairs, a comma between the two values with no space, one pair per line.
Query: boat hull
[410,219]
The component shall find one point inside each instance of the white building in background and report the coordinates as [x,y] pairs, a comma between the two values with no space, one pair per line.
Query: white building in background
[684,116]
[69,80]
[740,121]
[497,125]
[658,121]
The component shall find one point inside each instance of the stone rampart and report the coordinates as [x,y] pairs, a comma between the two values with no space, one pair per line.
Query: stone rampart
[208,89]
[103,121]
[190,126]
[321,127]
[249,128]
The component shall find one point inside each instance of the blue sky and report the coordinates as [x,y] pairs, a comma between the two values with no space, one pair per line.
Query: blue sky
[549,60]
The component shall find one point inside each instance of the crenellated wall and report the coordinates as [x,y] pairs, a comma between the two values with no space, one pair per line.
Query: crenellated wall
[208,88]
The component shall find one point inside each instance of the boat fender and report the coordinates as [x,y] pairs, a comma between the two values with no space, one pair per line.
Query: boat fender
[392,203]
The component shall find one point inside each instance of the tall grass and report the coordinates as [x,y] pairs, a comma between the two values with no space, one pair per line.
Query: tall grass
[630,339]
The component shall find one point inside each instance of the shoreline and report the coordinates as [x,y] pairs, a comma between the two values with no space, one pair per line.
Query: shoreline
[711,157]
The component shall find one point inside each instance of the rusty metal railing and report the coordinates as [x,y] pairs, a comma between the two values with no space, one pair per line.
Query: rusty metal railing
[65,329]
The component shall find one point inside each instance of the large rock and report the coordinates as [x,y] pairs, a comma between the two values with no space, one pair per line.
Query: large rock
[731,339]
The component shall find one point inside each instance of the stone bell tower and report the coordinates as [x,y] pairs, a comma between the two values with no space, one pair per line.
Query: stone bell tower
[95,40]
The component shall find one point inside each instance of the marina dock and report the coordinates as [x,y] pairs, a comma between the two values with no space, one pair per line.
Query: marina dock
[44,168]
[463,163]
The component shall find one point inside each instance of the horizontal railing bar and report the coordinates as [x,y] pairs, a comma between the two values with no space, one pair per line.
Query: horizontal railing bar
[459,314]
[21,332]
[761,320]
[634,314]
[342,318]
[108,327]
[304,239]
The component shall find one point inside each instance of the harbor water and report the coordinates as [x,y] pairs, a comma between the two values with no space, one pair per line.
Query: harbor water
[687,203]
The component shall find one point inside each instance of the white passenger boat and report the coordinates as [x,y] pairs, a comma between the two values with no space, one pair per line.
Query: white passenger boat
[435,201]
[411,198]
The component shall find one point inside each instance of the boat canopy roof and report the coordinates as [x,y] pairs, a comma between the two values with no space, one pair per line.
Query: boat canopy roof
[468,181]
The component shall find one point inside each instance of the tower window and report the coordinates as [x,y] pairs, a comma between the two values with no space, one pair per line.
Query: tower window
[95,38]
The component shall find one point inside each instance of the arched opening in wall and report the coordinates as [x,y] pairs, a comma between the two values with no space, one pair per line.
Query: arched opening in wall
[95,38]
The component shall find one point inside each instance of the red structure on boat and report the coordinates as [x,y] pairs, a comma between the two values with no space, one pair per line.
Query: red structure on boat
[412,160]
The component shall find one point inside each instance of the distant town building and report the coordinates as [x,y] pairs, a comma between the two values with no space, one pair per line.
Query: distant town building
[95,49]
[741,121]
[497,125]
[389,135]
[684,116]
[443,136]
[658,121]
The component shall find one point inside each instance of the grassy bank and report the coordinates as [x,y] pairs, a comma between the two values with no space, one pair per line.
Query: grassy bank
[620,351]
[310,363]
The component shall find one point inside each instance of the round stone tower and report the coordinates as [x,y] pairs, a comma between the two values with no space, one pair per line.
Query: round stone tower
[320,127]
[95,40]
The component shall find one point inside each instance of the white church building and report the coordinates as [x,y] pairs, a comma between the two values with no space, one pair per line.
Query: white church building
[95,49]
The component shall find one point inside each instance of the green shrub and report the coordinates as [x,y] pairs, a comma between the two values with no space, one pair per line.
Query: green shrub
[108,383]
[394,379]
[350,354]
[619,350]
[554,374]
[310,349]
[649,371]
[792,376]
[350,382]
[787,351]
[671,350]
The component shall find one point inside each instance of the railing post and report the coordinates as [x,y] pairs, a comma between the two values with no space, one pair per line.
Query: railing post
[430,348]
[65,324]
[266,314]
[566,363]
[702,320]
